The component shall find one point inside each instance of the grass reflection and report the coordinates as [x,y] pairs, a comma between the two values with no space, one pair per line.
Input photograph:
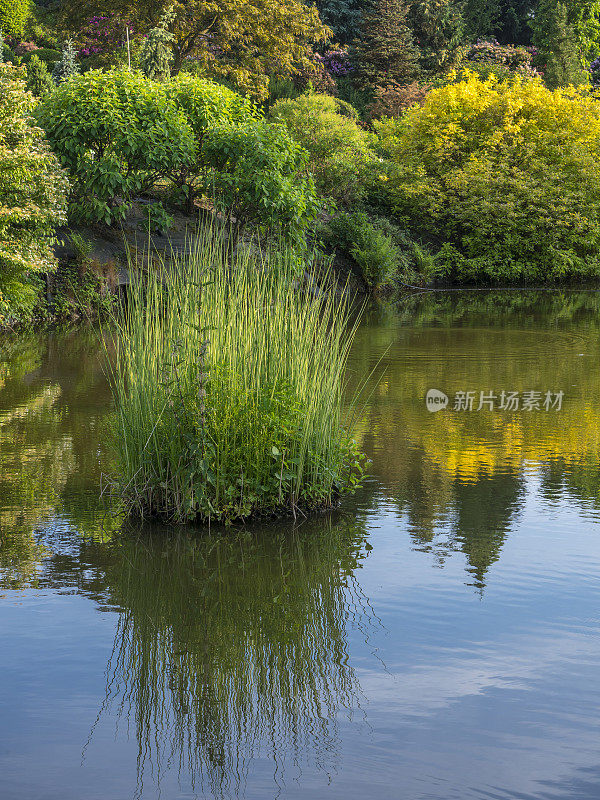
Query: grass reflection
[234,647]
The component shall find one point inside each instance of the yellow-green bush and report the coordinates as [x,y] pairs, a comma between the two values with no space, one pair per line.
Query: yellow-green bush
[339,152]
[32,196]
[13,16]
[506,173]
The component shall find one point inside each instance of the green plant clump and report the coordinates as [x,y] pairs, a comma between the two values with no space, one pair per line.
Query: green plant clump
[13,17]
[338,147]
[32,196]
[117,133]
[228,390]
[375,253]
[507,173]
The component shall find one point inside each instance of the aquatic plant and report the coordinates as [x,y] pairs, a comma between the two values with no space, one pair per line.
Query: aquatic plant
[228,384]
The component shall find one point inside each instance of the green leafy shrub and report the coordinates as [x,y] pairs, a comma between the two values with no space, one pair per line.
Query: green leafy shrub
[507,172]
[228,389]
[339,152]
[204,104]
[13,17]
[117,133]
[45,54]
[258,175]
[375,253]
[32,195]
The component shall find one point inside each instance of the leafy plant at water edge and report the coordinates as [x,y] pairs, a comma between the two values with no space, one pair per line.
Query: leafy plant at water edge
[375,253]
[32,196]
[228,387]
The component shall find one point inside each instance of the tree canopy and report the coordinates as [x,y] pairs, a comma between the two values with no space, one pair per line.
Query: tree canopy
[244,41]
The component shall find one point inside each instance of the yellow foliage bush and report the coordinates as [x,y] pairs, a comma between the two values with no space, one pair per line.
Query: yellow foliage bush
[506,174]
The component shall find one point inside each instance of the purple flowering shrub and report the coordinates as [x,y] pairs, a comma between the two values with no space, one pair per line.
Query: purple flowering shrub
[336,62]
[594,70]
[103,33]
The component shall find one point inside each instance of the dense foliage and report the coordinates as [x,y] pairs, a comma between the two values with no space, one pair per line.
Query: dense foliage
[117,133]
[32,196]
[204,104]
[561,48]
[507,172]
[339,152]
[244,41]
[258,174]
[13,17]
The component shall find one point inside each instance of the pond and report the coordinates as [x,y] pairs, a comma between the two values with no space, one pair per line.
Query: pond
[437,637]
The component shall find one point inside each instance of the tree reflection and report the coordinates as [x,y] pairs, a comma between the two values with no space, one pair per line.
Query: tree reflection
[234,647]
[461,477]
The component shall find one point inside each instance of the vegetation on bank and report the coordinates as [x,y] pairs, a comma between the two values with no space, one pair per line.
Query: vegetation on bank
[228,383]
[411,141]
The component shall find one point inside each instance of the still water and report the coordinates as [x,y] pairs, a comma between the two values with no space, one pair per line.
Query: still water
[436,638]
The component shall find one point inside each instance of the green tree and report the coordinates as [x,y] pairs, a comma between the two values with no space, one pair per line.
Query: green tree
[38,78]
[157,53]
[66,67]
[386,52]
[558,37]
[243,41]
[344,17]
[13,17]
[439,28]
[32,196]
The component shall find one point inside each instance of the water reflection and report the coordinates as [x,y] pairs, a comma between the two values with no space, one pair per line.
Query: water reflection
[53,404]
[461,477]
[235,658]
[234,647]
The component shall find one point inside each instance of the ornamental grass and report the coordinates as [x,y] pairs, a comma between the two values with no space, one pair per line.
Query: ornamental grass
[228,380]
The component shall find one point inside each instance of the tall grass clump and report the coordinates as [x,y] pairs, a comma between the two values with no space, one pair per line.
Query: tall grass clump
[228,383]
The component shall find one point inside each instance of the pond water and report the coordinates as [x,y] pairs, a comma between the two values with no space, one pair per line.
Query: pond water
[437,637]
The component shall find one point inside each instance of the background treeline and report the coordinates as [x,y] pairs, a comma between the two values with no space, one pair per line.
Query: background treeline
[413,140]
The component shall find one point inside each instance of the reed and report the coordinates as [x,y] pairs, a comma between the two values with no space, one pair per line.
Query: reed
[228,382]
